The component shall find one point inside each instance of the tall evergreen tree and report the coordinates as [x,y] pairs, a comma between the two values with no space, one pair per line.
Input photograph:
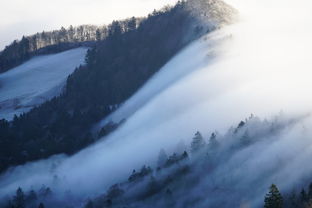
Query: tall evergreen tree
[41,205]
[89,204]
[273,199]
[162,158]
[71,33]
[198,142]
[310,191]
[19,198]
[213,142]
[31,197]
[303,195]
[131,26]
[98,35]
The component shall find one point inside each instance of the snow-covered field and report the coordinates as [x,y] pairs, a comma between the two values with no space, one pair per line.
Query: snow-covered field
[36,81]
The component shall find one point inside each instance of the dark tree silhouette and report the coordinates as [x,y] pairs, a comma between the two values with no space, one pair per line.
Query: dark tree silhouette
[19,199]
[273,199]
[198,142]
[41,205]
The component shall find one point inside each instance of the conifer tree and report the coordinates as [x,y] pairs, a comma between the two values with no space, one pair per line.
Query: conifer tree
[198,142]
[41,205]
[310,191]
[162,158]
[98,35]
[303,196]
[32,196]
[89,204]
[273,199]
[131,24]
[213,142]
[19,198]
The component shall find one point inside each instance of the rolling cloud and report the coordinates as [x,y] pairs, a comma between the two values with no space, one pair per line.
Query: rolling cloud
[260,65]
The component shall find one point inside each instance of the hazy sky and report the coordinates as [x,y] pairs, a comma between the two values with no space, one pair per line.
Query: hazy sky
[19,17]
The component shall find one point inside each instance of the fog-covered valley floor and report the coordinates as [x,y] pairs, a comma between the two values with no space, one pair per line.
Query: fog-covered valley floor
[259,65]
[36,81]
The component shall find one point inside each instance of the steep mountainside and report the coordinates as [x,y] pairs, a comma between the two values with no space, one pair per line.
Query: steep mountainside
[147,87]
[36,81]
[116,67]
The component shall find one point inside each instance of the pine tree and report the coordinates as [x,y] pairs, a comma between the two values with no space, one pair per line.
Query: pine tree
[303,196]
[273,199]
[213,142]
[19,198]
[245,139]
[89,204]
[131,24]
[41,205]
[63,35]
[293,200]
[32,196]
[310,191]
[115,29]
[198,142]
[98,34]
[162,158]
[9,204]
[240,125]
[71,33]
[184,155]
[24,47]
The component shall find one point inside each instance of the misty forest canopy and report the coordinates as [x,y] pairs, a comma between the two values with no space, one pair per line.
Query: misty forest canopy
[189,177]
[123,57]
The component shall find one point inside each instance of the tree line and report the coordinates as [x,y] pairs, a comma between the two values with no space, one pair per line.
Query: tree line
[55,41]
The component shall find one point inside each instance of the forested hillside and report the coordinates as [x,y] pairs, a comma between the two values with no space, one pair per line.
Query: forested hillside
[48,42]
[193,106]
[55,41]
[36,81]
[188,177]
[121,61]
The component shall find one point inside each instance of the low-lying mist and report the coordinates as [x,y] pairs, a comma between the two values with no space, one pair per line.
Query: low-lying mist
[259,65]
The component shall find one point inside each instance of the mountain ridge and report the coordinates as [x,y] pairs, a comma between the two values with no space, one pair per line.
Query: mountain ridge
[62,125]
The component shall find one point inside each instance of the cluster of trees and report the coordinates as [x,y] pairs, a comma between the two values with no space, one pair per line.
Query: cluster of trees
[59,40]
[274,199]
[164,183]
[129,53]
[48,42]
[152,182]
[169,171]
[146,177]
[177,177]
[31,199]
